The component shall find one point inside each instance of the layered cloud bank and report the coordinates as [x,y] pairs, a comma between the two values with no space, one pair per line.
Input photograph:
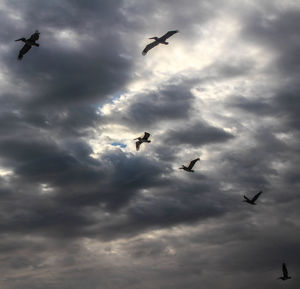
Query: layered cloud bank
[80,208]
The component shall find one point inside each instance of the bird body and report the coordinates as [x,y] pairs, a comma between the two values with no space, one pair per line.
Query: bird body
[190,166]
[252,201]
[142,140]
[28,43]
[158,40]
[284,273]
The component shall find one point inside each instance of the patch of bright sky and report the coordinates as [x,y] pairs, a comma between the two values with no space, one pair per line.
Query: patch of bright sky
[119,144]
[5,172]
[46,189]
[191,61]
[70,38]
[111,137]
[163,62]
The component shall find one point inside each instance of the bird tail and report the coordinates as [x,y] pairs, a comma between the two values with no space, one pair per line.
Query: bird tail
[20,57]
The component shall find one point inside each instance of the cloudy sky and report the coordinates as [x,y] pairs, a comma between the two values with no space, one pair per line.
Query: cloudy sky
[80,208]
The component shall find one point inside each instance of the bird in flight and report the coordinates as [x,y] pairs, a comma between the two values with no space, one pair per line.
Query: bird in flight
[285,273]
[252,201]
[140,140]
[158,40]
[191,165]
[28,43]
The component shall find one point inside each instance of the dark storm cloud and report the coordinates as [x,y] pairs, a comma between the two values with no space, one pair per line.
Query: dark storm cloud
[288,105]
[198,134]
[169,103]
[78,187]
[170,204]
[258,107]
[62,81]
[66,71]
[284,105]
[57,201]
[122,178]
[279,34]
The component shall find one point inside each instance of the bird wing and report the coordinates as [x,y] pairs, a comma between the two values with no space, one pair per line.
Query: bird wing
[284,270]
[246,198]
[150,46]
[137,145]
[25,49]
[256,196]
[168,34]
[192,163]
[146,135]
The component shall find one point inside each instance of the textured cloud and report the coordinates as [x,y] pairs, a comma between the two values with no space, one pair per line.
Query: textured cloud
[80,207]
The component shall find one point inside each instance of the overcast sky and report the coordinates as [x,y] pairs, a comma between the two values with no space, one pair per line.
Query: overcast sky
[80,208]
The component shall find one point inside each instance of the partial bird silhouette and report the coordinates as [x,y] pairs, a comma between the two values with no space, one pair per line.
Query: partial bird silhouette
[191,165]
[141,140]
[158,40]
[252,201]
[28,43]
[285,273]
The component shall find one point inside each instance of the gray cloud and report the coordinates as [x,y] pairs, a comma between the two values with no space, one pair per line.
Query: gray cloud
[72,217]
[198,134]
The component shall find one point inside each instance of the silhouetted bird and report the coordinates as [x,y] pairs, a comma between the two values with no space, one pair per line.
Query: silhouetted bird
[141,140]
[252,201]
[285,273]
[191,165]
[28,43]
[158,40]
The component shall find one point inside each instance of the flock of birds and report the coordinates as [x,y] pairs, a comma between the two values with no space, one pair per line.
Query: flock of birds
[145,139]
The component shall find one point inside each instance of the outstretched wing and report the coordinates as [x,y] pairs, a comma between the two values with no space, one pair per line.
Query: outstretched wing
[150,46]
[25,49]
[137,145]
[284,270]
[192,163]
[146,136]
[168,34]
[256,196]
[246,198]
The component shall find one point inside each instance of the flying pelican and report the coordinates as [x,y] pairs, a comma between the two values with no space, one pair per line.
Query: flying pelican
[285,273]
[141,140]
[158,40]
[28,43]
[252,201]
[189,168]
